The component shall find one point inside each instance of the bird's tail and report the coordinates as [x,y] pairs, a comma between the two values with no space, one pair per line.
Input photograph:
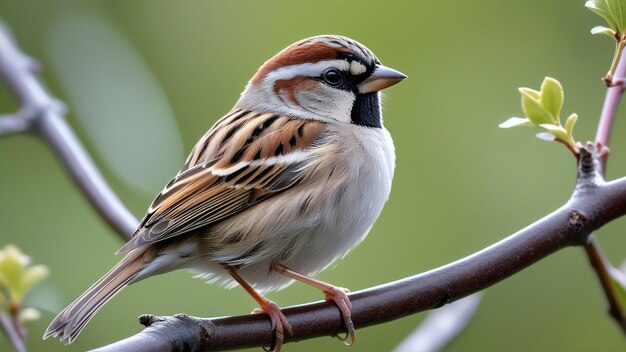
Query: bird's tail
[69,323]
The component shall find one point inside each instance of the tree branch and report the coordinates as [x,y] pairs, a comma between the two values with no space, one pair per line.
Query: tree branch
[597,259]
[10,124]
[611,103]
[441,326]
[593,204]
[9,329]
[602,267]
[44,114]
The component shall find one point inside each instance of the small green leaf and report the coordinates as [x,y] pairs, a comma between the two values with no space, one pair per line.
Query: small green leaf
[618,279]
[16,274]
[33,275]
[557,131]
[546,136]
[533,109]
[613,12]
[601,8]
[12,262]
[28,315]
[603,30]
[553,128]
[552,96]
[533,93]
[569,124]
[515,121]
[542,108]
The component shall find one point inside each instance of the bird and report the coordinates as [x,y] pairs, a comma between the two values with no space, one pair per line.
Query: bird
[286,183]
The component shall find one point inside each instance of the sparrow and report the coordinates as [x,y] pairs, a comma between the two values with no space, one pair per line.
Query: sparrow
[286,183]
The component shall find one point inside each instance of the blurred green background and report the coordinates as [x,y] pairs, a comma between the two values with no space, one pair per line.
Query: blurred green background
[145,79]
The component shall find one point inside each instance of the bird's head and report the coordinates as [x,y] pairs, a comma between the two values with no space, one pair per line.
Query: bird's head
[329,78]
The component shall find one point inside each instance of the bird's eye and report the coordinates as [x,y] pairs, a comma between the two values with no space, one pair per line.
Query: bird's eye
[332,76]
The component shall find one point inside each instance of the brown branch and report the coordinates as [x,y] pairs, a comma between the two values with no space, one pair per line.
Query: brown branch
[597,259]
[45,115]
[12,333]
[593,204]
[601,265]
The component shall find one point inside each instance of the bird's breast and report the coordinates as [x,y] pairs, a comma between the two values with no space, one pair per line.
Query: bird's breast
[350,199]
[317,221]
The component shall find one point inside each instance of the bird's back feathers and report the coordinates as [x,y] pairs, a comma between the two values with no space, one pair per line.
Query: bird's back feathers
[242,160]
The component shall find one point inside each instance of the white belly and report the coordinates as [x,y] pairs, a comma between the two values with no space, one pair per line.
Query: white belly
[360,200]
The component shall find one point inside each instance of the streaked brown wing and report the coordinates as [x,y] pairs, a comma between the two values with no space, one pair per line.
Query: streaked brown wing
[245,158]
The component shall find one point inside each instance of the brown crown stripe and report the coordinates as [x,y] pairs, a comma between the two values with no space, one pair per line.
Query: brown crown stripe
[298,54]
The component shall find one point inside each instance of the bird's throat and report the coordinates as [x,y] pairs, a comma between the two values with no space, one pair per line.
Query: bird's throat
[366,110]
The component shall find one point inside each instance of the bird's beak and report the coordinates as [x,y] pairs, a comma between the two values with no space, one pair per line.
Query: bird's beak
[381,78]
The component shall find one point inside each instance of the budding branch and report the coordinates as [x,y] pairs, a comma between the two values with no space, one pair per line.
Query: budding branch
[593,204]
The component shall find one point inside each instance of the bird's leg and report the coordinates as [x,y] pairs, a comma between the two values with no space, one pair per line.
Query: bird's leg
[333,293]
[278,319]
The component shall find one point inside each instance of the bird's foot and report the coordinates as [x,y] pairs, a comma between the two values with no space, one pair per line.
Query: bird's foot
[333,293]
[340,297]
[279,323]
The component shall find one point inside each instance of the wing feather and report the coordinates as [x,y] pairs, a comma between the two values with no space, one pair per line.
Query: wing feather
[245,158]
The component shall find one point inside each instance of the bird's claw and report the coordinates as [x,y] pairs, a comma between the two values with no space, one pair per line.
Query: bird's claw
[340,297]
[279,323]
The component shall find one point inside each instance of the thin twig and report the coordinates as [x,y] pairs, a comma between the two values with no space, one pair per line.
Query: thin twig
[11,124]
[611,103]
[599,263]
[17,73]
[602,266]
[441,326]
[7,326]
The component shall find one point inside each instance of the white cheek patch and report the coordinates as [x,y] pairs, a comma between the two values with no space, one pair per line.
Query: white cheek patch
[328,102]
[357,68]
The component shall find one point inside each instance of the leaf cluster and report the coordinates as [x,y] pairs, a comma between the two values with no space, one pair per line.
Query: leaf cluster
[17,277]
[614,13]
[542,108]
